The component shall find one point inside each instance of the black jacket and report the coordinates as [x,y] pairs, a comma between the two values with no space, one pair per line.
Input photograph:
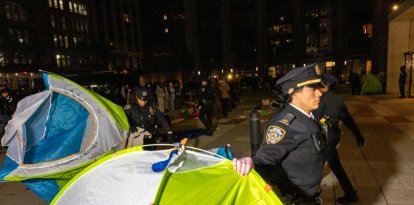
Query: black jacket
[296,165]
[146,117]
[333,105]
[206,95]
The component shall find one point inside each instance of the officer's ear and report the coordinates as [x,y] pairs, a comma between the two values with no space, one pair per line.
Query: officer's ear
[290,91]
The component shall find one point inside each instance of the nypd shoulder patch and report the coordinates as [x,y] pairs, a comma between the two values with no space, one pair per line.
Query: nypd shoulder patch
[274,134]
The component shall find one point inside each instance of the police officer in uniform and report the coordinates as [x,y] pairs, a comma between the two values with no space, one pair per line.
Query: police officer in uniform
[293,144]
[333,107]
[145,115]
[206,105]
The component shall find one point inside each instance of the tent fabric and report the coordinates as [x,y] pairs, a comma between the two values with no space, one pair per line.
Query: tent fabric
[55,133]
[126,177]
[371,85]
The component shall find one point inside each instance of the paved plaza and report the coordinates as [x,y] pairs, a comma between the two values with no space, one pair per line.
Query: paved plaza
[381,171]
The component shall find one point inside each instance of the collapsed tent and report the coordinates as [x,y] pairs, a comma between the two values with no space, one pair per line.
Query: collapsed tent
[56,133]
[193,176]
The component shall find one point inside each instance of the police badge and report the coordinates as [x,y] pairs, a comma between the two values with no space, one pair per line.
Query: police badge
[274,134]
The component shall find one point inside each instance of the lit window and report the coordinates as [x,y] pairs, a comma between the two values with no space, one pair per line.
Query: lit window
[75,8]
[52,21]
[50,3]
[63,60]
[58,60]
[70,6]
[165,30]
[55,40]
[75,41]
[165,17]
[126,18]
[66,42]
[56,4]
[61,4]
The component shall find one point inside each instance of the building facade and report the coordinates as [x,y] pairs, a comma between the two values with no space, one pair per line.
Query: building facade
[68,36]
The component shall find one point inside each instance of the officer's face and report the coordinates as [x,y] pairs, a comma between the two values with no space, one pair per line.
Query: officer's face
[141,102]
[307,99]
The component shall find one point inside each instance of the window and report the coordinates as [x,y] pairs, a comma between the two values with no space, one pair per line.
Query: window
[75,8]
[55,40]
[86,27]
[63,23]
[66,42]
[50,3]
[15,12]
[81,25]
[70,6]
[126,18]
[8,11]
[52,21]
[61,4]
[165,17]
[58,60]
[61,40]
[56,3]
[75,41]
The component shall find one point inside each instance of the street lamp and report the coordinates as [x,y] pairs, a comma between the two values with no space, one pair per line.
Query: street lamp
[395,7]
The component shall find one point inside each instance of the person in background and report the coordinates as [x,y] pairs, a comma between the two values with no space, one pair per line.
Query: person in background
[144,114]
[224,94]
[355,81]
[333,108]
[8,105]
[172,95]
[206,105]
[159,91]
[291,156]
[401,81]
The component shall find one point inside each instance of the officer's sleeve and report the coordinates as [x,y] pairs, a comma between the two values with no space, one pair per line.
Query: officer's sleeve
[347,119]
[278,141]
[161,120]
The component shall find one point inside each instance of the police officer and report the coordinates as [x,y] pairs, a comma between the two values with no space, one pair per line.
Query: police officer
[206,105]
[332,106]
[293,145]
[145,115]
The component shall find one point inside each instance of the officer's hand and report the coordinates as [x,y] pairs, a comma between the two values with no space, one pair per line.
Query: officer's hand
[360,140]
[127,106]
[243,165]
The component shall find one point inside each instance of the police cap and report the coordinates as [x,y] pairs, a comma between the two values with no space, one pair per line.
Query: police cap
[143,93]
[329,79]
[299,77]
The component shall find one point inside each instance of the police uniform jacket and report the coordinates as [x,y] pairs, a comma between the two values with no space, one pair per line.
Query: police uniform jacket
[333,105]
[296,164]
[146,117]
[206,95]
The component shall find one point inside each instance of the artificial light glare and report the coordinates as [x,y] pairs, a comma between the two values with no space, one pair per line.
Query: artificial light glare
[395,7]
